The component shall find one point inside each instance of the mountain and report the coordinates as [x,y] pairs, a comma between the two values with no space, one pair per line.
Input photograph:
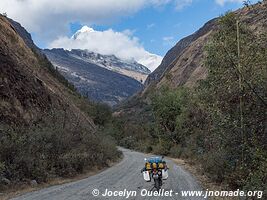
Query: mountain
[102,42]
[91,75]
[29,84]
[186,55]
[183,64]
[24,35]
[113,63]
[47,129]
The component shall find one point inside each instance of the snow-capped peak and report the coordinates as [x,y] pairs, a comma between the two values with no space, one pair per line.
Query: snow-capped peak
[83,30]
[110,42]
[86,29]
[151,61]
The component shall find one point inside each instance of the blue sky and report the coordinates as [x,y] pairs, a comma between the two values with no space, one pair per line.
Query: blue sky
[143,30]
[152,25]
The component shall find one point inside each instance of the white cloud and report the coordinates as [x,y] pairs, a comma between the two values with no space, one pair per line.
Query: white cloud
[109,42]
[168,38]
[159,2]
[222,2]
[180,4]
[50,18]
[168,41]
[149,26]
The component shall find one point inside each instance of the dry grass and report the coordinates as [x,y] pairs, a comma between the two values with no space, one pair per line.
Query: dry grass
[18,190]
[205,181]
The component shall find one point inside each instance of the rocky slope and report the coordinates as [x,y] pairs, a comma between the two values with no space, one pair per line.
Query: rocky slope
[183,64]
[86,34]
[178,51]
[29,88]
[24,34]
[91,80]
[47,129]
[112,63]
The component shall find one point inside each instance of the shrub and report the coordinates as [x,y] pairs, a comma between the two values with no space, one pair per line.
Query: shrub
[176,151]
[39,153]
[101,114]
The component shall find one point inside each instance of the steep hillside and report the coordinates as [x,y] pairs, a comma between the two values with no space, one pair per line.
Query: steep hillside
[27,88]
[183,64]
[93,81]
[24,35]
[43,132]
[178,51]
[218,123]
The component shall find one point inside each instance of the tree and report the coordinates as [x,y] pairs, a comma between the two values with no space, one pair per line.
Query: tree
[167,106]
[235,95]
[101,114]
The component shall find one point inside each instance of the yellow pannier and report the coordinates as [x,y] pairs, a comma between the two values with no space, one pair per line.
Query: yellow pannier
[148,166]
[161,166]
[154,166]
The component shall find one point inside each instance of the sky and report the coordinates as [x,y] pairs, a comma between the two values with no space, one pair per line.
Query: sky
[141,27]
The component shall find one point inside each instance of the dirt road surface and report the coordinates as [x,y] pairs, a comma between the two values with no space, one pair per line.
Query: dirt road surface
[126,177]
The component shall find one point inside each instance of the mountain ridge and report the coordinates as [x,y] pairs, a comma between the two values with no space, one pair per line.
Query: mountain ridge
[43,89]
[113,63]
[96,82]
[85,39]
[177,51]
[183,64]
[47,129]
[134,85]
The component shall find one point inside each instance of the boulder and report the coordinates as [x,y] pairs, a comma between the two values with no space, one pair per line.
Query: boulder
[34,183]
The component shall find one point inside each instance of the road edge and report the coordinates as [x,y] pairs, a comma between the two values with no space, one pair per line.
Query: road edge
[16,191]
[204,181]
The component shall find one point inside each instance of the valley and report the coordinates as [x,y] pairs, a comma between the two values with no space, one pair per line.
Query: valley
[97,97]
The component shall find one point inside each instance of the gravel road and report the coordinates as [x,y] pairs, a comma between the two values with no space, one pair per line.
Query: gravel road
[123,176]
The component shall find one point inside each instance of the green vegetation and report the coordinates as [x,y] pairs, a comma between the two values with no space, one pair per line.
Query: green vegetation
[47,150]
[221,123]
[101,114]
[234,95]
[58,145]
[57,141]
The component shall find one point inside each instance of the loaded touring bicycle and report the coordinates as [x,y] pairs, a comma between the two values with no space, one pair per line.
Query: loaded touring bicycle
[156,169]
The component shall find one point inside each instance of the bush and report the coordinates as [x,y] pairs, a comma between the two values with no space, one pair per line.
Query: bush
[128,142]
[176,151]
[101,114]
[160,149]
[214,164]
[206,123]
[42,153]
